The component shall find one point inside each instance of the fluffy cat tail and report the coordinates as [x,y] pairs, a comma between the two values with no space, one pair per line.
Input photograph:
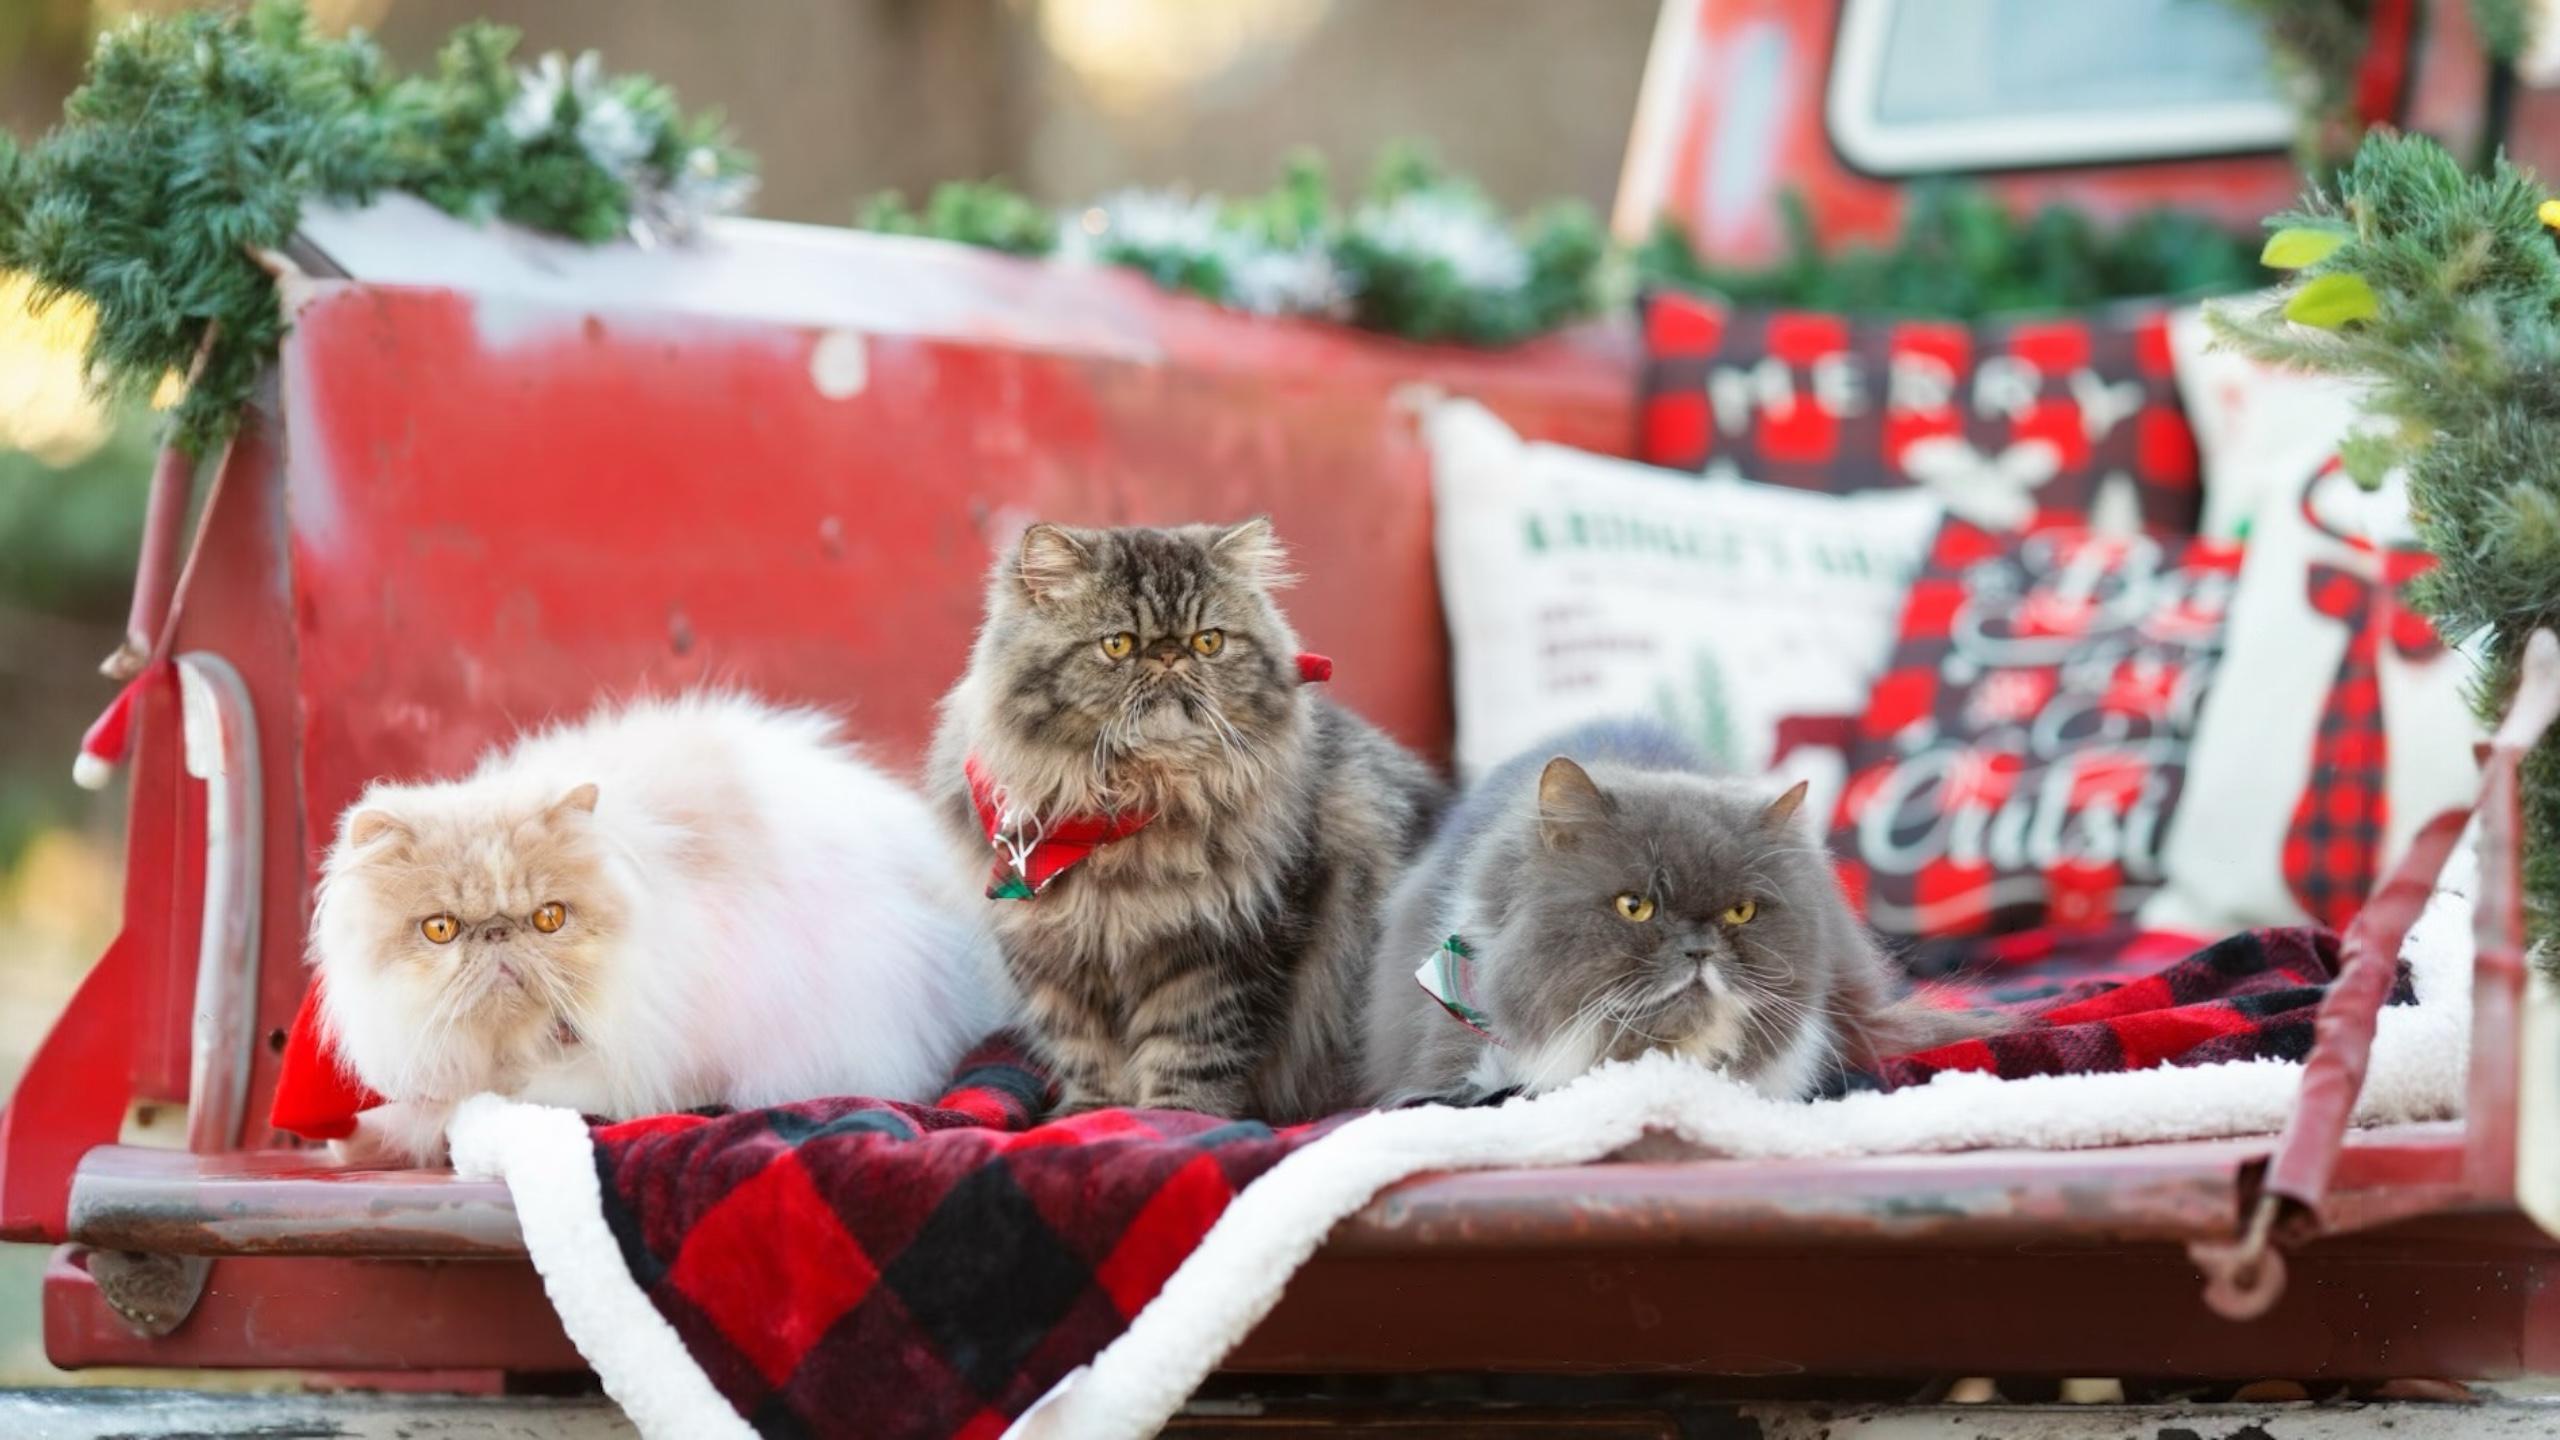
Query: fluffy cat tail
[1912,1024]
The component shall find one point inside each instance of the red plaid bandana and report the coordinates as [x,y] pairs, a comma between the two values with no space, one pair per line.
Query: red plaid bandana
[1032,851]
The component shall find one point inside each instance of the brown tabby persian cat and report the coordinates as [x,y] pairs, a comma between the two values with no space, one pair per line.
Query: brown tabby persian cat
[1137,691]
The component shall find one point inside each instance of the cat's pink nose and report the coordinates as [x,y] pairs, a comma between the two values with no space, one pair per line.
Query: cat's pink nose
[1166,652]
[495,933]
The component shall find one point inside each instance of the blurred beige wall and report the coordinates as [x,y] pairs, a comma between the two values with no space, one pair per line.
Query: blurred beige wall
[1069,98]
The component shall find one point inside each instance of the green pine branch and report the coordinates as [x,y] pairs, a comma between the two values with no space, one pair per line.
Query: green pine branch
[197,138]
[1962,254]
[2440,291]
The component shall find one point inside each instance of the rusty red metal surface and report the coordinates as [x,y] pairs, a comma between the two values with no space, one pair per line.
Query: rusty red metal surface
[2474,1297]
[284,1203]
[2342,1045]
[2147,1194]
[82,1079]
[2245,1276]
[155,571]
[588,501]
[340,1315]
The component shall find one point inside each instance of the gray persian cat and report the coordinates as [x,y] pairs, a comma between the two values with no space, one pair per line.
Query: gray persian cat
[1189,852]
[1618,898]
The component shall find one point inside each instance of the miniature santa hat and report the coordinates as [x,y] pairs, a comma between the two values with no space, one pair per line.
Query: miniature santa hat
[110,736]
[316,1097]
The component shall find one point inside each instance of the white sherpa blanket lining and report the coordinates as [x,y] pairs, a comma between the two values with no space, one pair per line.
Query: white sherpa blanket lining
[1225,1287]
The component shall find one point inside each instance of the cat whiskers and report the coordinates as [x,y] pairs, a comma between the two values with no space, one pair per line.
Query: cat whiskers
[1771,1020]
[1615,1004]
[1238,750]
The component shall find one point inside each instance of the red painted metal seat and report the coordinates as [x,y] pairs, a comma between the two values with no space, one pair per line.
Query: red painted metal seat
[496,476]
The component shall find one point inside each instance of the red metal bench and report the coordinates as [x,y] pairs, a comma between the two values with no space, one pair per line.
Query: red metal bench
[496,476]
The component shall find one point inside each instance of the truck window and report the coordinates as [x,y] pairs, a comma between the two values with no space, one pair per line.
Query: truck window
[1930,86]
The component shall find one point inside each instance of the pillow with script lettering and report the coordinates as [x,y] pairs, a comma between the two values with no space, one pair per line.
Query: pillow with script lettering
[1580,587]
[2020,758]
[2070,421]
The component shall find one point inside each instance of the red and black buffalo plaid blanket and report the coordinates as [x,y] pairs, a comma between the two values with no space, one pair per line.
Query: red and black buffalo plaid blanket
[856,1266]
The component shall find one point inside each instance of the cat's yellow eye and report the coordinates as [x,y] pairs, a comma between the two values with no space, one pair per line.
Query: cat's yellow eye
[1118,646]
[1208,643]
[1632,906]
[1741,911]
[550,917]
[440,928]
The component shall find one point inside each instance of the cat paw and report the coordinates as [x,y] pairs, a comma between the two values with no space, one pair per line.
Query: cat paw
[398,1136]
[1077,1100]
[1219,1103]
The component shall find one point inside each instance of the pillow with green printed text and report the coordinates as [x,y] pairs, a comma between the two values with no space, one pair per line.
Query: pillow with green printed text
[1581,587]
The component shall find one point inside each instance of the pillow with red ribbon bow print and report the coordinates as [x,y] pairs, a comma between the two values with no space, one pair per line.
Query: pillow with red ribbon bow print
[2067,421]
[2019,760]
[2338,729]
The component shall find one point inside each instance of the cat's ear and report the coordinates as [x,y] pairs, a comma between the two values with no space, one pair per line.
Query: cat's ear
[1567,801]
[581,799]
[1783,809]
[366,826]
[1253,550]
[1051,563]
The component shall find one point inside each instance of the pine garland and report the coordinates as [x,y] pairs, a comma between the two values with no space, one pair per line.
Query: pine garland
[1424,255]
[197,138]
[1962,255]
[986,215]
[2441,291]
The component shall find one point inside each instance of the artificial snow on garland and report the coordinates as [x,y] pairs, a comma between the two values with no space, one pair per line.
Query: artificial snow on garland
[1189,242]
[563,100]
[1425,256]
[1424,228]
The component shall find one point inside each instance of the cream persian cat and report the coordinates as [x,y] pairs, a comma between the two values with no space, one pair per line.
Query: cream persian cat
[673,903]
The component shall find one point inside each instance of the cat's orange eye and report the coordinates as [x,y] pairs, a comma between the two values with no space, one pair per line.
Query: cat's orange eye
[440,928]
[1208,643]
[1741,911]
[550,917]
[1118,646]
[1632,906]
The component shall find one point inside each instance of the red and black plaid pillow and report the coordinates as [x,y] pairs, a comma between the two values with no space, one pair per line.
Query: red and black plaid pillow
[2020,757]
[1828,402]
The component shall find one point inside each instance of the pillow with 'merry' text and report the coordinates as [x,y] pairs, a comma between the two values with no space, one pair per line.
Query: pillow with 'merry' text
[2070,420]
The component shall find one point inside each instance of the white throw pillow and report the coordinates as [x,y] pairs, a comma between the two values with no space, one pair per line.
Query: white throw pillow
[2331,695]
[1580,587]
